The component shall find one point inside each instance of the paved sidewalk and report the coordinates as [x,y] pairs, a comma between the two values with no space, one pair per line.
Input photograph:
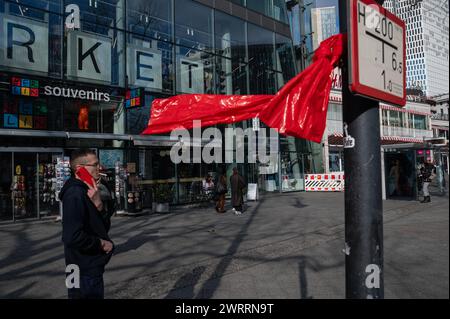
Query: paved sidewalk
[284,246]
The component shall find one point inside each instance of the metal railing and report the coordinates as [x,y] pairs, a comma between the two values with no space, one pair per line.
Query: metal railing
[442,117]
[405,132]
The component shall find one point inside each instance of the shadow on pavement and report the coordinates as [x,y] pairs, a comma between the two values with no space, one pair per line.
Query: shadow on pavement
[184,287]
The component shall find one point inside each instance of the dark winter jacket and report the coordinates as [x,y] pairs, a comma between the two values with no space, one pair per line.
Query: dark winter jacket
[237,183]
[83,226]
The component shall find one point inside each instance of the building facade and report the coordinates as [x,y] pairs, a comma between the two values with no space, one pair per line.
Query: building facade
[439,116]
[323,24]
[427,51]
[407,133]
[83,73]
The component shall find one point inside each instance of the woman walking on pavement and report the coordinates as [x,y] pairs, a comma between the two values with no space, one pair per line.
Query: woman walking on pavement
[237,185]
[427,174]
[221,190]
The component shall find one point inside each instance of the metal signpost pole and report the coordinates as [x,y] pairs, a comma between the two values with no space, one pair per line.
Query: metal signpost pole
[363,199]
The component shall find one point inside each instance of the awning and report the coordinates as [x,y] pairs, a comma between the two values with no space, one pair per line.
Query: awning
[404,110]
[337,138]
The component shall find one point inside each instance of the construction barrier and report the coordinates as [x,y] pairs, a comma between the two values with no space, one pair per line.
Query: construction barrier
[333,182]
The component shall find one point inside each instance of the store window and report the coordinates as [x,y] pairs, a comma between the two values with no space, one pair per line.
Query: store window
[231,76]
[384,114]
[420,122]
[137,117]
[93,116]
[29,113]
[336,161]
[395,119]
[292,163]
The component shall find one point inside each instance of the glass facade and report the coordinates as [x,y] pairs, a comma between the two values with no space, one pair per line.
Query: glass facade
[312,22]
[84,74]
[275,9]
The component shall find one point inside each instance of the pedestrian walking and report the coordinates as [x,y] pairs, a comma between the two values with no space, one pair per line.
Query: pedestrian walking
[237,185]
[208,185]
[427,174]
[108,198]
[221,190]
[85,226]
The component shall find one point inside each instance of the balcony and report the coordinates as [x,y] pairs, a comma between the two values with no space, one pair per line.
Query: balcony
[405,132]
[441,117]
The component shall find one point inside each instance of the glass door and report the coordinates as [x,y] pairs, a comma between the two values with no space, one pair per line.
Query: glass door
[6,178]
[24,189]
[47,205]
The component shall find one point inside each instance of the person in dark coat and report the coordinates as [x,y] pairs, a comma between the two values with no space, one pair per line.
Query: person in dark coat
[85,223]
[237,185]
[221,191]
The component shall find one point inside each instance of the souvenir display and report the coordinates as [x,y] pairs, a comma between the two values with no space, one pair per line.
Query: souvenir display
[121,176]
[19,193]
[63,173]
[47,187]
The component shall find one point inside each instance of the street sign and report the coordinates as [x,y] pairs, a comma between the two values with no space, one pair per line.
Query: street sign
[377,53]
[255,124]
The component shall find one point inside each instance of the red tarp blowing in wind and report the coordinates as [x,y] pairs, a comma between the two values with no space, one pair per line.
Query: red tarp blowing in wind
[299,109]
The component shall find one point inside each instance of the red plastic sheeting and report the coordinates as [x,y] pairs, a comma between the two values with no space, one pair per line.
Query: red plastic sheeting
[299,109]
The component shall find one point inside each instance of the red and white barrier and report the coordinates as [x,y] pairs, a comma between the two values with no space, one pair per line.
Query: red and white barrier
[333,182]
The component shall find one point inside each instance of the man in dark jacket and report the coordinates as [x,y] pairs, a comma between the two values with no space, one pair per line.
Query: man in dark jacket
[85,228]
[237,185]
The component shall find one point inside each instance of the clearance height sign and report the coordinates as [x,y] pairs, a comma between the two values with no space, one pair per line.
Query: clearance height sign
[377,53]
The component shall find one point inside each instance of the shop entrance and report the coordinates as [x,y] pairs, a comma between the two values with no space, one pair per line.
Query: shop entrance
[28,183]
[400,172]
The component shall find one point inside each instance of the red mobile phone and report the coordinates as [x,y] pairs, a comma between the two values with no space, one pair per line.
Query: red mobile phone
[84,175]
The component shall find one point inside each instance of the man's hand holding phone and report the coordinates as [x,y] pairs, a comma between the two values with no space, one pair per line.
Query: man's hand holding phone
[93,192]
[107,246]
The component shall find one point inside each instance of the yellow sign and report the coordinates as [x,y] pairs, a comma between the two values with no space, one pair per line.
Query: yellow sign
[18,170]
[25,121]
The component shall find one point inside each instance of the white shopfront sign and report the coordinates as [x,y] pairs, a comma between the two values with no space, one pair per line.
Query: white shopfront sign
[144,67]
[88,56]
[23,44]
[191,76]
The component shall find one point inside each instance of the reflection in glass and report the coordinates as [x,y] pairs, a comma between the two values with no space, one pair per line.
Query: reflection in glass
[230,46]
[94,117]
[261,60]
[285,59]
[194,71]
[323,24]
[193,25]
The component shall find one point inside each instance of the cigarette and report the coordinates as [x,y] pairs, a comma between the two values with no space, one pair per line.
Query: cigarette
[102,174]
